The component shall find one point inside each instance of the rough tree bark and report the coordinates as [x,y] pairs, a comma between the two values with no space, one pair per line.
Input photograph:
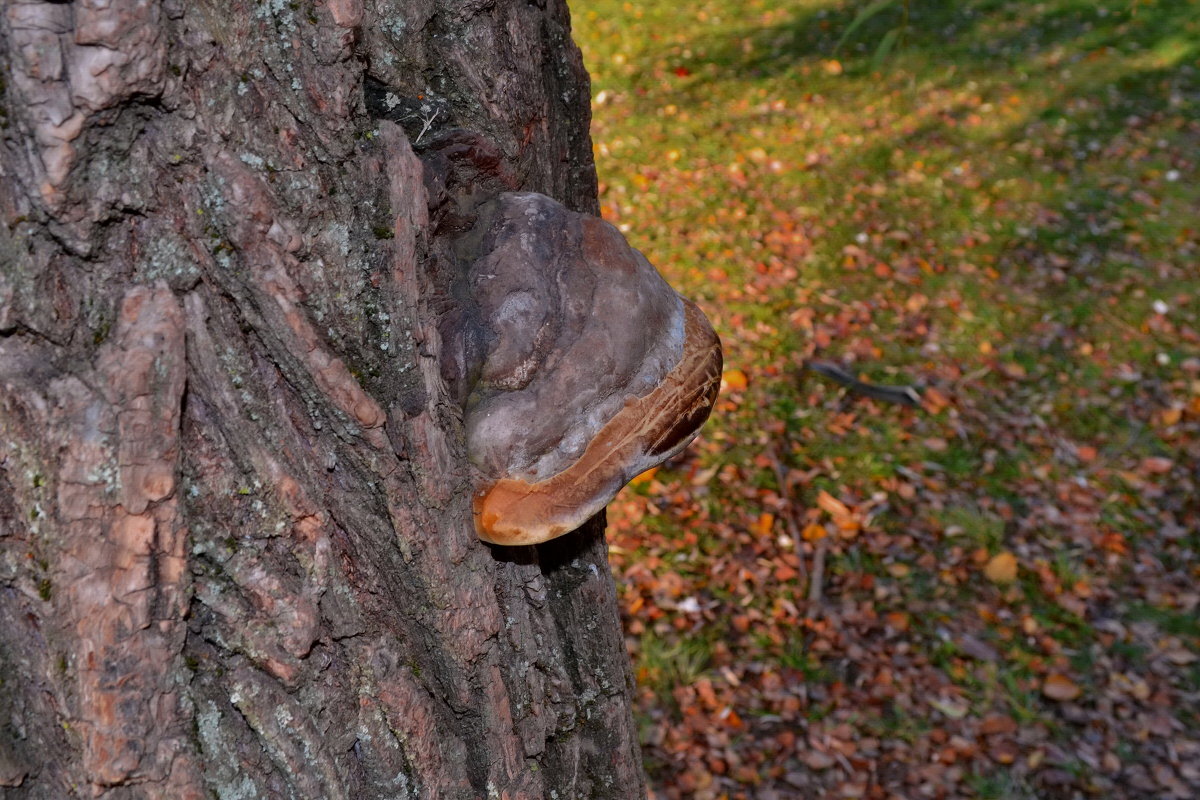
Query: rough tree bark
[236,549]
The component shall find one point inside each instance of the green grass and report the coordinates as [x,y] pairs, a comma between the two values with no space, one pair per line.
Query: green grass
[999,211]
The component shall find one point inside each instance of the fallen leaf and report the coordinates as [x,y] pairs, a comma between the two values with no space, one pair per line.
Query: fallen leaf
[705,475]
[832,505]
[644,477]
[950,708]
[1181,656]
[734,380]
[933,401]
[1171,416]
[813,532]
[997,723]
[1004,752]
[1157,465]
[785,573]
[1061,688]
[977,649]
[1002,568]
[1013,370]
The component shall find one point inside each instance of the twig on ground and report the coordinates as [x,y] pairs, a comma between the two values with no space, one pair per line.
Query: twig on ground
[818,573]
[903,395]
[789,514]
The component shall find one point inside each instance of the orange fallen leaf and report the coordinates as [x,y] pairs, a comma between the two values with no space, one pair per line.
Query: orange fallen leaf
[813,532]
[644,477]
[764,524]
[1061,688]
[785,573]
[1002,568]
[734,380]
[1171,416]
[1004,752]
[934,401]
[832,505]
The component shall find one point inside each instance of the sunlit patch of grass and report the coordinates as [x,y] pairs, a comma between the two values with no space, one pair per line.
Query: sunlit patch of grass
[664,665]
[977,527]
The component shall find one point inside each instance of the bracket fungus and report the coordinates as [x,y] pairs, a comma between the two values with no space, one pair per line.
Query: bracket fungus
[581,366]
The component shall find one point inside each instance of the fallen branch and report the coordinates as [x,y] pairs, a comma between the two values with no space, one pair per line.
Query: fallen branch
[902,395]
[818,573]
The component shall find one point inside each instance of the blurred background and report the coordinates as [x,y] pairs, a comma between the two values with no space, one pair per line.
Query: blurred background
[994,594]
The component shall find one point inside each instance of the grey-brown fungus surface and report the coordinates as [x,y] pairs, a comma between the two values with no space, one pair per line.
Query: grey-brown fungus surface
[585,367]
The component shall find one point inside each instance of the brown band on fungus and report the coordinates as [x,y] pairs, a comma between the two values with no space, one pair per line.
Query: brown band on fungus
[645,432]
[578,366]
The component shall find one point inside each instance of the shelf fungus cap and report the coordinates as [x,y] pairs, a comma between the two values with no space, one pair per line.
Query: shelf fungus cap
[590,368]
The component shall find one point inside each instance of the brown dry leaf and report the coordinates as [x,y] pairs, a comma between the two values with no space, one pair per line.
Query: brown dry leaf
[1002,568]
[705,475]
[1013,370]
[815,759]
[1180,656]
[997,723]
[1061,688]
[1157,465]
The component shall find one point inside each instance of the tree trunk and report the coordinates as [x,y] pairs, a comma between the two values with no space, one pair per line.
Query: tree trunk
[237,556]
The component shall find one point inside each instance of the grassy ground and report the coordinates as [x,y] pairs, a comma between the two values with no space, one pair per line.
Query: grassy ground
[1005,212]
